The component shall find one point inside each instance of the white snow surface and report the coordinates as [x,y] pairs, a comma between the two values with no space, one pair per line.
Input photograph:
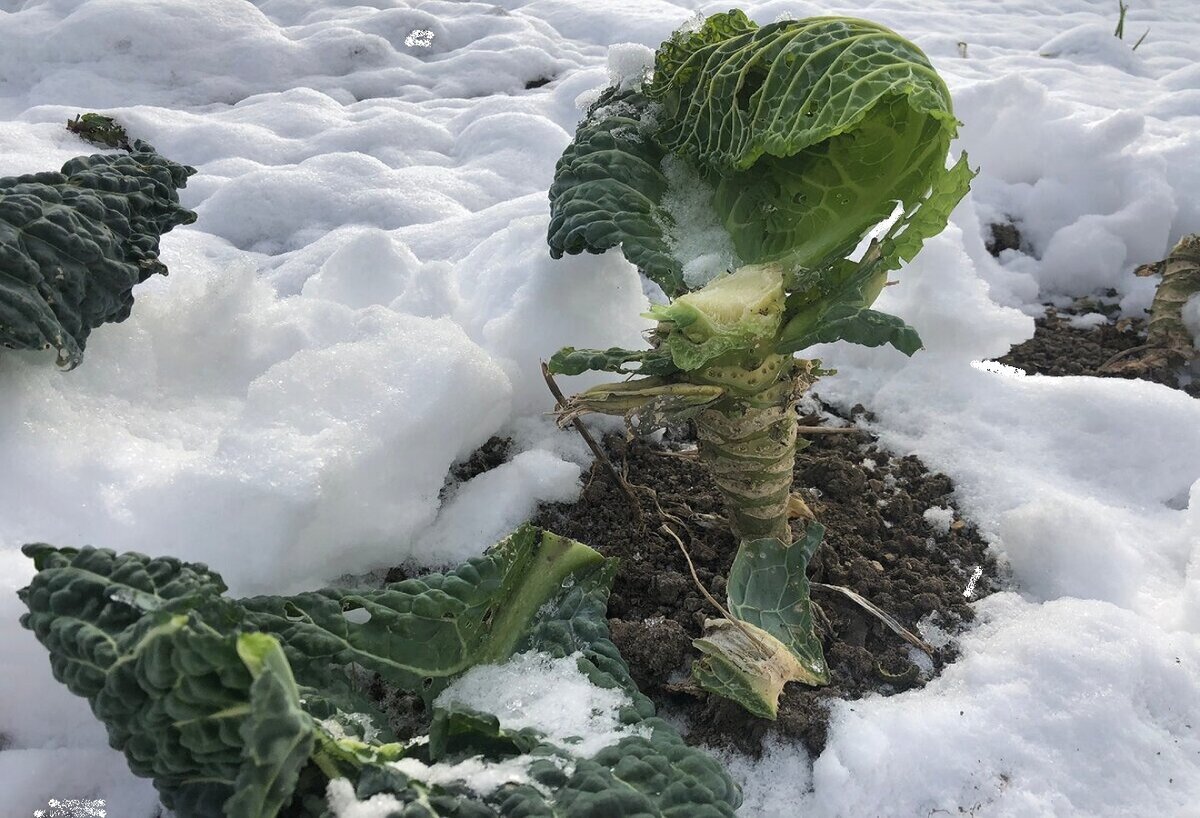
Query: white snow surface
[366,295]
[549,695]
[939,519]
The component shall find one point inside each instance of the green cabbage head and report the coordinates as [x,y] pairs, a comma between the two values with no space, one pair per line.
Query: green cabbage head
[810,134]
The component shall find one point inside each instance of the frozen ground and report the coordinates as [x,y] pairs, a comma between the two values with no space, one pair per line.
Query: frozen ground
[367,293]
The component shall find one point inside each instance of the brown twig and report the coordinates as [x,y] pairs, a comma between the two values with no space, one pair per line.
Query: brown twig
[819,614]
[616,476]
[1125,353]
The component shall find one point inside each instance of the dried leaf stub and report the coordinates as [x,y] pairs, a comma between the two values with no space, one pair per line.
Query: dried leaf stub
[744,663]
[1169,342]
[646,403]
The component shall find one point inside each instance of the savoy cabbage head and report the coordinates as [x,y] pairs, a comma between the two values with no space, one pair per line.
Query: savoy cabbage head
[73,244]
[810,133]
[248,708]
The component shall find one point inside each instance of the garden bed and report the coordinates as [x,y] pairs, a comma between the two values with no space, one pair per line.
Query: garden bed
[879,543]
[1060,347]
[893,535]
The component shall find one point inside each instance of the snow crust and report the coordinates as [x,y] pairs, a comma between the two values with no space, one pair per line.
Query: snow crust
[939,519]
[552,696]
[366,296]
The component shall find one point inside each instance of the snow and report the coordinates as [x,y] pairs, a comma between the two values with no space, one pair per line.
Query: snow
[552,696]
[696,237]
[530,690]
[489,506]
[366,296]
[629,64]
[939,519]
[1089,320]
[1191,317]
[1045,697]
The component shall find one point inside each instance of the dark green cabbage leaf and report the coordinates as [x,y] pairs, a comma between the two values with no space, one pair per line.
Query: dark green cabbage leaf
[74,244]
[249,708]
[608,187]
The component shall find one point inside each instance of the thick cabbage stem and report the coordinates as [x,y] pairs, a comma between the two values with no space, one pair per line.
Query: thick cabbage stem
[748,443]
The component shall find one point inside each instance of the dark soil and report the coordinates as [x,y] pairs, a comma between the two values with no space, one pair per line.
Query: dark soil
[1057,348]
[1004,237]
[491,454]
[878,543]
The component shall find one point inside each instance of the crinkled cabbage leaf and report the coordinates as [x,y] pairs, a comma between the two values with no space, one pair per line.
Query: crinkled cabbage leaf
[74,244]
[247,708]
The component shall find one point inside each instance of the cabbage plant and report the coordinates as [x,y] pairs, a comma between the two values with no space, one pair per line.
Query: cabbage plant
[248,708]
[74,243]
[817,152]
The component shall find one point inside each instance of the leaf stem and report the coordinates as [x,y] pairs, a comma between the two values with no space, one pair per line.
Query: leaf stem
[616,476]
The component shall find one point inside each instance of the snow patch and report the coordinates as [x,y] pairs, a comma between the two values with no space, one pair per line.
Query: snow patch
[549,695]
[1089,320]
[939,519]
[629,65]
[698,240]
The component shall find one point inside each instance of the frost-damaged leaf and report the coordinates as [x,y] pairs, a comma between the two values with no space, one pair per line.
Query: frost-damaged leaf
[74,244]
[607,190]
[572,361]
[768,594]
[733,315]
[245,708]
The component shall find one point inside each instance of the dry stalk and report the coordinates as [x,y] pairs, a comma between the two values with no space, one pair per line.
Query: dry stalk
[617,477]
[882,615]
